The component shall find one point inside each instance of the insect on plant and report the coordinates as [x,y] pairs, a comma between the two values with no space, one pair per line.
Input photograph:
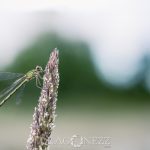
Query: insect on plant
[22,79]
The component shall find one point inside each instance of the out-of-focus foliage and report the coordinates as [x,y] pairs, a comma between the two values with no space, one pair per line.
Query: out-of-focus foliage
[79,83]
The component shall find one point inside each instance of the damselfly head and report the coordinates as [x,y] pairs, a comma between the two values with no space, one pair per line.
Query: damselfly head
[39,69]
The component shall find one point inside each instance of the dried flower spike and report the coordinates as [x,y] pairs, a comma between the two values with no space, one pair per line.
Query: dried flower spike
[44,114]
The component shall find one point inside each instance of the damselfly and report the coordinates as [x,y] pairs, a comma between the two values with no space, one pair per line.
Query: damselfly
[22,80]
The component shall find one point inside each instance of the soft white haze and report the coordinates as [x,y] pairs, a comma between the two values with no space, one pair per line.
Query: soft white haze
[118,31]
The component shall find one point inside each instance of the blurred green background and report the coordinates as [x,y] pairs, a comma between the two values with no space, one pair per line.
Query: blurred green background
[80,86]
[87,105]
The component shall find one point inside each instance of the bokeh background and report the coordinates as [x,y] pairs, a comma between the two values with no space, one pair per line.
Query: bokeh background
[104,70]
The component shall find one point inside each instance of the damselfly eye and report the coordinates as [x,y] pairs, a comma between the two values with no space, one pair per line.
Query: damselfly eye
[39,68]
